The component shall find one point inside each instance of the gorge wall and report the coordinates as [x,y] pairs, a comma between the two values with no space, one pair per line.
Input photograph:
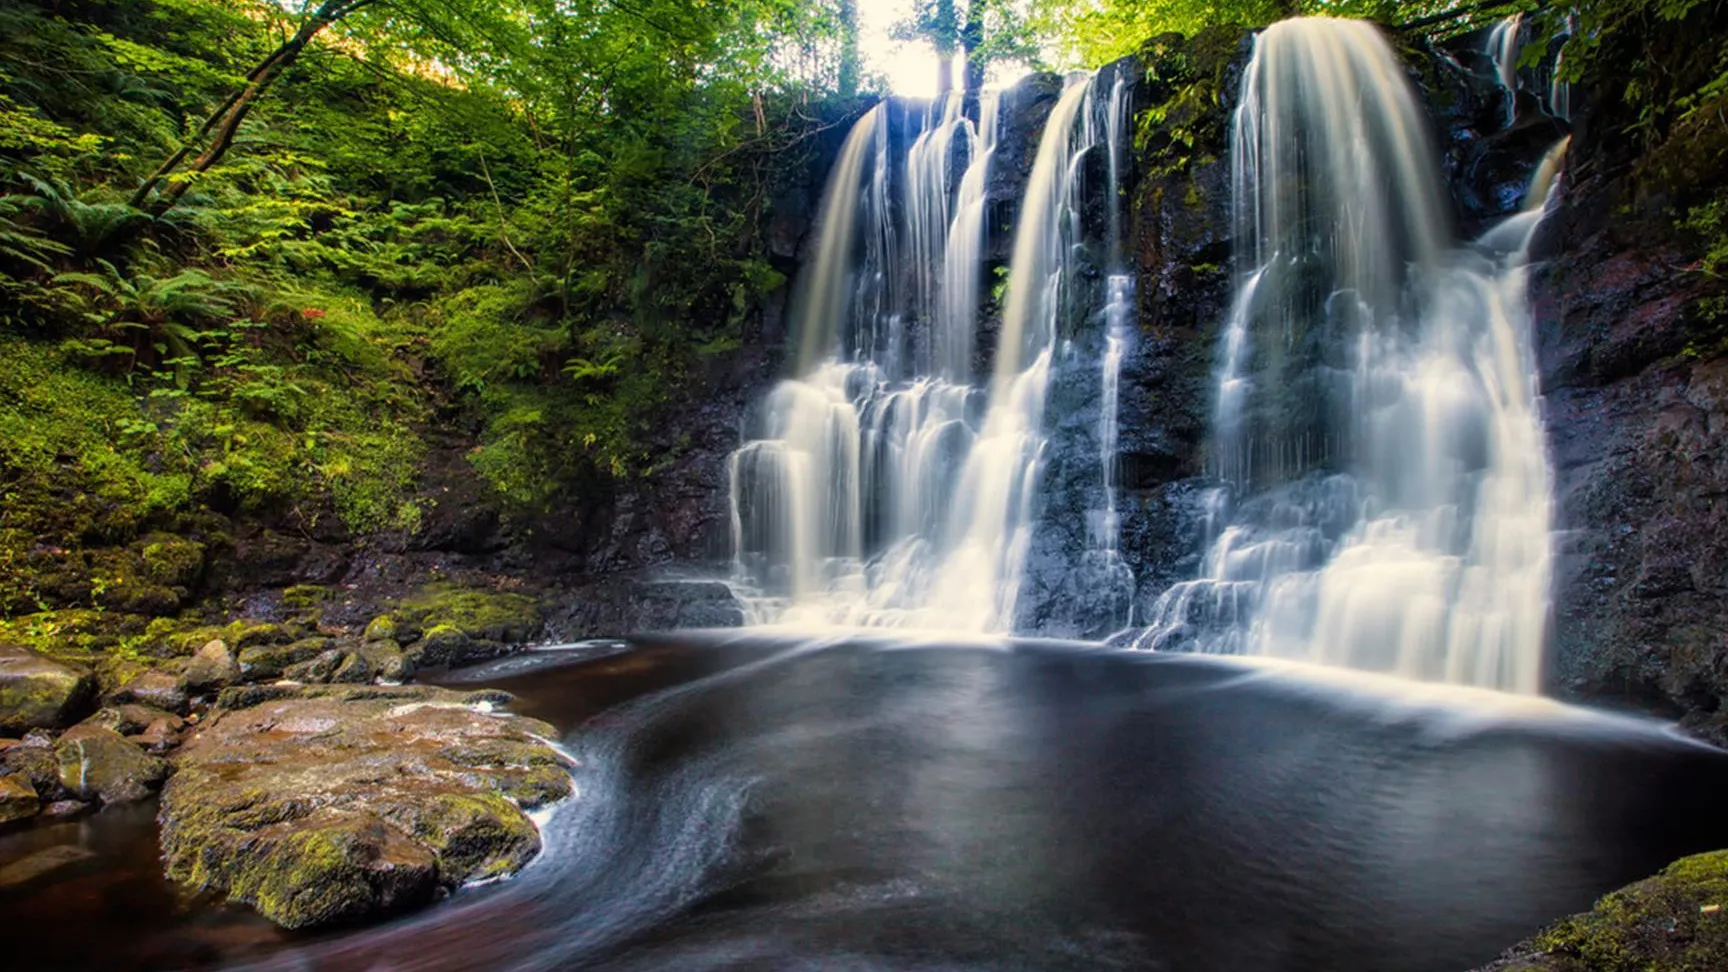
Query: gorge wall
[1630,330]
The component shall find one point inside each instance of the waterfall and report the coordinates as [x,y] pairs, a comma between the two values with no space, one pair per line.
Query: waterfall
[886,486]
[1106,527]
[1504,47]
[1384,497]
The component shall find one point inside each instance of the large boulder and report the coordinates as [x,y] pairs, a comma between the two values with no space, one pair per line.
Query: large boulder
[97,763]
[319,804]
[38,693]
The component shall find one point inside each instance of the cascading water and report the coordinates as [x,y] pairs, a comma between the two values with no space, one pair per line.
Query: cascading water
[886,488]
[1386,498]
[1504,47]
[1106,525]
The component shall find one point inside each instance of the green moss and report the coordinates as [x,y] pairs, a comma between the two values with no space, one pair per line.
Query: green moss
[474,835]
[381,628]
[1674,922]
[77,635]
[305,596]
[476,612]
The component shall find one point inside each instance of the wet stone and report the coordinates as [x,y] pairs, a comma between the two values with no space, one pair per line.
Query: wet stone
[38,693]
[326,803]
[98,763]
[18,799]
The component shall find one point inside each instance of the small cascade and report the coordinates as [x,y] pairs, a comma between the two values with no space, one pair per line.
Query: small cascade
[886,485]
[1504,48]
[1384,498]
[1105,535]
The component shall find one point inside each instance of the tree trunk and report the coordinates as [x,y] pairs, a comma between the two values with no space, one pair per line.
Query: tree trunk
[946,38]
[850,60]
[971,39]
[224,123]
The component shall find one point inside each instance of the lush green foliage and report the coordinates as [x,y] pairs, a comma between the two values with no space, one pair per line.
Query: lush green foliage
[1093,32]
[538,215]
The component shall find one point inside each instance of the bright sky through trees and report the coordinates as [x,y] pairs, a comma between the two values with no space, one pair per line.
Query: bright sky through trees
[910,66]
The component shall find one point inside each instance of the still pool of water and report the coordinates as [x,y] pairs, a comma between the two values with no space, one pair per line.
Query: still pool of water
[875,802]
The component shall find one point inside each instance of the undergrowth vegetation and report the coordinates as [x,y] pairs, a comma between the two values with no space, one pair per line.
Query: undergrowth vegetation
[433,217]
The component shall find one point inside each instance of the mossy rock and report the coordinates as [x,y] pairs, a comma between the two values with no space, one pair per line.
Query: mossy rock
[318,669]
[18,799]
[442,645]
[99,763]
[36,692]
[481,614]
[321,804]
[212,667]
[387,661]
[263,661]
[381,628]
[353,669]
[246,633]
[1676,921]
[330,867]
[153,687]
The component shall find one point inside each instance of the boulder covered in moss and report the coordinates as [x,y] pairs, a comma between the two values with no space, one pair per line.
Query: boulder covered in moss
[1676,921]
[442,645]
[321,804]
[480,613]
[38,693]
[18,799]
[97,763]
[267,661]
[381,628]
[387,661]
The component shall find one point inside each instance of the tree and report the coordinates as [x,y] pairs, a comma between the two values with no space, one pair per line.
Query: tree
[851,62]
[992,30]
[219,129]
[935,21]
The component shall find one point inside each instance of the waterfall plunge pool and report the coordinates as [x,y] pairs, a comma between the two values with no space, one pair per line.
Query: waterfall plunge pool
[872,801]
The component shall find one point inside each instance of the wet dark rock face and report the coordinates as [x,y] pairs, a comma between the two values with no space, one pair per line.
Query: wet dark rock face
[1638,424]
[1636,388]
[1176,220]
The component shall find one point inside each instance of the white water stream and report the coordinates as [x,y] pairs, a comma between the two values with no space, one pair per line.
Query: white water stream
[1387,498]
[886,487]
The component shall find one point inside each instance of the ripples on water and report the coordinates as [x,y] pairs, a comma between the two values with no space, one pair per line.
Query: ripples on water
[866,803]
